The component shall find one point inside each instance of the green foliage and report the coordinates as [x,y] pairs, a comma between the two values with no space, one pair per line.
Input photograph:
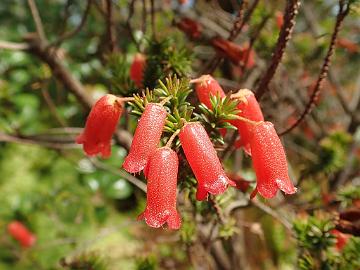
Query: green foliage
[348,194]
[147,263]
[332,153]
[313,233]
[215,118]
[163,58]
[118,74]
[83,261]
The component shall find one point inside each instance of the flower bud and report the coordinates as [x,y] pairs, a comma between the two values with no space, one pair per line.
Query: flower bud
[100,126]
[21,234]
[203,160]
[137,69]
[162,170]
[269,162]
[146,138]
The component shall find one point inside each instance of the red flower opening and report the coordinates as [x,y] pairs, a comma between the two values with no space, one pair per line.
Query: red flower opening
[146,138]
[269,162]
[203,160]
[100,126]
[162,170]
[21,234]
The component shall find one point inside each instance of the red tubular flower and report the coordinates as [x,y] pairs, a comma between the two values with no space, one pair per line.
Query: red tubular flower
[137,69]
[206,86]
[162,170]
[203,160]
[146,138]
[341,239]
[269,162]
[279,19]
[190,27]
[100,126]
[234,52]
[250,109]
[21,234]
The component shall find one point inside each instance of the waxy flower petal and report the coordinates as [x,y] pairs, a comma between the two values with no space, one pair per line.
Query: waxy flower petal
[203,160]
[100,126]
[269,161]
[162,170]
[146,138]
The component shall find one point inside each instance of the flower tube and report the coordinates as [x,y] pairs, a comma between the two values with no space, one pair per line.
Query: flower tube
[269,162]
[203,160]
[162,170]
[100,126]
[146,138]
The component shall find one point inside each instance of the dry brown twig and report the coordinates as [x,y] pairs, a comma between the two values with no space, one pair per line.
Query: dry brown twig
[291,10]
[343,11]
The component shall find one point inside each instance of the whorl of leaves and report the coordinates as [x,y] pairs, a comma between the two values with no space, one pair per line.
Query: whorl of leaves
[164,59]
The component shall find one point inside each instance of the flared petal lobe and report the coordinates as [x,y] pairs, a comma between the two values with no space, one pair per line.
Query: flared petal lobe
[146,138]
[162,170]
[137,69]
[21,234]
[203,160]
[249,108]
[100,126]
[269,161]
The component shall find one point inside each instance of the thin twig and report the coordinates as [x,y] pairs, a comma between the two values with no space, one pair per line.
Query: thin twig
[132,179]
[38,141]
[72,33]
[272,213]
[291,10]
[153,20]
[13,45]
[111,30]
[343,11]
[38,24]
[238,24]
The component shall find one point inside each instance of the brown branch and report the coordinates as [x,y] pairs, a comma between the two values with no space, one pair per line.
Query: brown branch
[60,72]
[111,30]
[132,179]
[128,23]
[291,10]
[153,19]
[7,45]
[38,24]
[238,24]
[343,11]
[36,141]
[72,33]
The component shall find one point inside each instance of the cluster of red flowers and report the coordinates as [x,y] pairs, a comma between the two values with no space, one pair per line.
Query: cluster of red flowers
[259,140]
[160,165]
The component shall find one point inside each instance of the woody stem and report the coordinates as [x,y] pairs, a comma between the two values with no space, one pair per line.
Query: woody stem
[171,139]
